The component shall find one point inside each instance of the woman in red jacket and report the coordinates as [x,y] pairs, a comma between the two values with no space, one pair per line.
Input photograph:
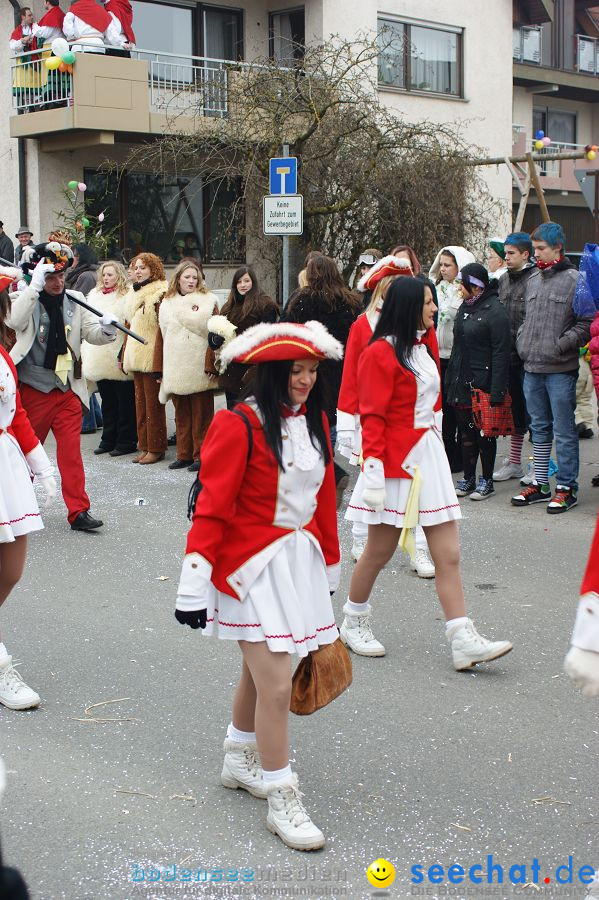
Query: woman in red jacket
[263,554]
[406,477]
[21,456]
[594,351]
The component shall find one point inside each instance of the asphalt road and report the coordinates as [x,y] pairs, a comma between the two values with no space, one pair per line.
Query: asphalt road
[416,764]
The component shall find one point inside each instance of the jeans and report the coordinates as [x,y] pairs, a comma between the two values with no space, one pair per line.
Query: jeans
[92,419]
[551,401]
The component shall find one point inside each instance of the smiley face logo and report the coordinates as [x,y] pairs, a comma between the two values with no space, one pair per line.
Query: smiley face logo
[380,873]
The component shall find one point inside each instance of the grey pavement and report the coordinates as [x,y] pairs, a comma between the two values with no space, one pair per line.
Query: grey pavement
[415,763]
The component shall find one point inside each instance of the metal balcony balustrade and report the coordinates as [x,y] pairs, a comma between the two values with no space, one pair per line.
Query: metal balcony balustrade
[552,168]
[191,85]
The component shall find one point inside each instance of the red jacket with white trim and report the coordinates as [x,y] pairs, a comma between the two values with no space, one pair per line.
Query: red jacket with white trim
[234,519]
[20,427]
[387,396]
[359,337]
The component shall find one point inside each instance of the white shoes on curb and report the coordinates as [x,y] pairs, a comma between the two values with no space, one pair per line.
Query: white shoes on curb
[468,647]
[422,564]
[508,470]
[14,693]
[287,816]
[242,768]
[356,633]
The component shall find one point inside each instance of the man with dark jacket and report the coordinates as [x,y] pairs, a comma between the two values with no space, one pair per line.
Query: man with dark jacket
[547,344]
[512,288]
[7,250]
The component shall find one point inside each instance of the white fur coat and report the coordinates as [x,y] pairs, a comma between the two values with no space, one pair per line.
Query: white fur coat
[101,362]
[142,314]
[184,327]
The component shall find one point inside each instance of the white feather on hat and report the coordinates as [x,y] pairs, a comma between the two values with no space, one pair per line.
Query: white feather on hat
[396,265]
[312,332]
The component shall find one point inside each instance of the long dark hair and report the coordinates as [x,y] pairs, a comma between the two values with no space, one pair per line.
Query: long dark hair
[401,317]
[252,301]
[270,387]
[325,280]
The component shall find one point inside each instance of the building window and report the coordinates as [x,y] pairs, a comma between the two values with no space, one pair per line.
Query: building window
[287,36]
[557,124]
[215,32]
[419,58]
[171,216]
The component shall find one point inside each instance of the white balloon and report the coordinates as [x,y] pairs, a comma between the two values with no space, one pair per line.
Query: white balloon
[59,46]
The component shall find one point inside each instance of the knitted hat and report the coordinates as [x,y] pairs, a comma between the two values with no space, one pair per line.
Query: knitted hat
[388,265]
[282,341]
[496,244]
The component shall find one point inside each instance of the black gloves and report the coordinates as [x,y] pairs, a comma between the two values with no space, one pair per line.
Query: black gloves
[215,341]
[195,618]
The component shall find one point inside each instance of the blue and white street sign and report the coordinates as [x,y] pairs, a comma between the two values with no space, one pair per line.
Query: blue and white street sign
[283,175]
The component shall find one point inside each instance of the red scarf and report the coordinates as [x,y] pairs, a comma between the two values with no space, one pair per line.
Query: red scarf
[17,35]
[92,14]
[53,18]
[547,265]
[287,412]
[123,11]
[108,290]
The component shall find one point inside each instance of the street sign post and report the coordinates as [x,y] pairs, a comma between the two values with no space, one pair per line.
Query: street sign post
[283,175]
[283,216]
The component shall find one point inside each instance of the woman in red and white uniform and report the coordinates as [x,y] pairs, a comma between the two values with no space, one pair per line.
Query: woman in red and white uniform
[262,554]
[349,439]
[21,457]
[582,660]
[405,476]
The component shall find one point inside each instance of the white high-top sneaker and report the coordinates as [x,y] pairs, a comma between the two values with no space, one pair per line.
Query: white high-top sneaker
[508,470]
[288,818]
[242,768]
[422,564]
[14,693]
[468,647]
[356,633]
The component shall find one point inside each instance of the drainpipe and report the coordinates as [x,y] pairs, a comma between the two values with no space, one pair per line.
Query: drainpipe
[21,149]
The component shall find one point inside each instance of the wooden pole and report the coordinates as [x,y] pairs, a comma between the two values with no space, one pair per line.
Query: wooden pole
[540,157]
[534,177]
[523,201]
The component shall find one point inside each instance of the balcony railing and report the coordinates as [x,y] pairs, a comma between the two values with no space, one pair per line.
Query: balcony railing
[190,85]
[36,87]
[552,168]
[527,45]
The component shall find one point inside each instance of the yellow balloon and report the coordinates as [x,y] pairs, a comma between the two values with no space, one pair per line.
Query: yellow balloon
[52,62]
[539,145]
[591,154]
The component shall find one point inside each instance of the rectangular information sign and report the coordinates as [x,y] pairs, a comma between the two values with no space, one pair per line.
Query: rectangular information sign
[283,215]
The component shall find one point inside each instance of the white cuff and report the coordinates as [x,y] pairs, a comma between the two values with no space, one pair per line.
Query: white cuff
[346,421]
[39,463]
[194,583]
[374,474]
[334,576]
[585,635]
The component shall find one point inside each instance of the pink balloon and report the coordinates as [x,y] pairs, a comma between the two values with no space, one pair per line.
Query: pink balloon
[546,141]
[82,187]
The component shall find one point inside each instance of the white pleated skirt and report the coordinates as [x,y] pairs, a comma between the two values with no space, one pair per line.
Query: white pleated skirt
[288,605]
[19,512]
[438,501]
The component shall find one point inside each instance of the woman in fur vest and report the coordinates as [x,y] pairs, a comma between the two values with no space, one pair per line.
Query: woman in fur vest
[179,356]
[103,364]
[141,311]
[245,306]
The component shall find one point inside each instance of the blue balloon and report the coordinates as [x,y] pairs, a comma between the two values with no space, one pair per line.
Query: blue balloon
[539,135]
[586,295]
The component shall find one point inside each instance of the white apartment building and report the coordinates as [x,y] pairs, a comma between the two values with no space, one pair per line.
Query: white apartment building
[452,64]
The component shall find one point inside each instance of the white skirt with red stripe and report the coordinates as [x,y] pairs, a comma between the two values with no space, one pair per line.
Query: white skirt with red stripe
[437,503]
[19,512]
[288,605]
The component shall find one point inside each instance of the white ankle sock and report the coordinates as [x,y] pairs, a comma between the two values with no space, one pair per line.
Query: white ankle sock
[3,652]
[356,609]
[276,774]
[240,737]
[452,623]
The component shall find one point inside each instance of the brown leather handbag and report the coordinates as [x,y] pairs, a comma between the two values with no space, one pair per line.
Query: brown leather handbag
[320,677]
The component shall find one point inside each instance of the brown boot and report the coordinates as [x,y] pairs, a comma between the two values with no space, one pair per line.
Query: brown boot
[142,454]
[150,458]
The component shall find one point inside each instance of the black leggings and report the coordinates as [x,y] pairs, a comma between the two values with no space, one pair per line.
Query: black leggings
[474,444]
